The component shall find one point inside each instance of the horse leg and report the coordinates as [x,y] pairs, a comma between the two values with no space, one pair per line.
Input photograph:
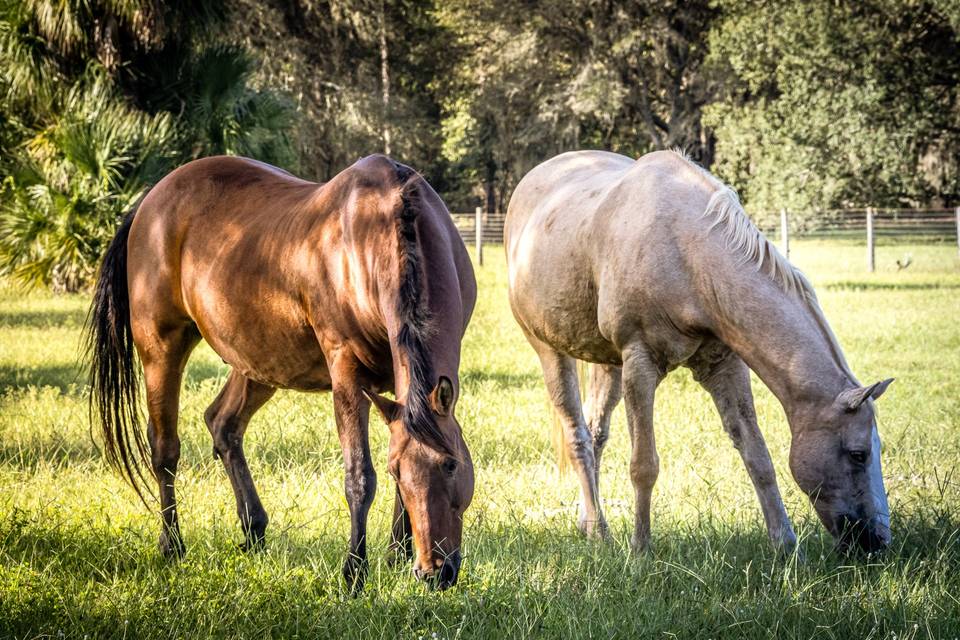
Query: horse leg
[560,376]
[603,394]
[163,361]
[352,411]
[727,379]
[641,376]
[227,420]
[401,541]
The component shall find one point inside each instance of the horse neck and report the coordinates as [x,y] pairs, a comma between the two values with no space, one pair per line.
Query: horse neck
[787,342]
[436,338]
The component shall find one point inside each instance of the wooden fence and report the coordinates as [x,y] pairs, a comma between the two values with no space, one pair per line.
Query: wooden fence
[873,225]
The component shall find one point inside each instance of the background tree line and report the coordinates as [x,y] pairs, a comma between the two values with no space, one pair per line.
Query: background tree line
[808,105]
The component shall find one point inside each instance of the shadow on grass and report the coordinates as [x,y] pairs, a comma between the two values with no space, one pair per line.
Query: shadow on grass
[498,378]
[519,580]
[852,285]
[62,377]
[73,377]
[42,319]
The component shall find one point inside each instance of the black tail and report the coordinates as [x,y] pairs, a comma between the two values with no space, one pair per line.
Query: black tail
[114,378]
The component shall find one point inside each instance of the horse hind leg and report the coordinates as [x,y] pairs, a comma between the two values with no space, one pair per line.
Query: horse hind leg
[164,357]
[227,419]
[560,376]
[604,391]
[727,379]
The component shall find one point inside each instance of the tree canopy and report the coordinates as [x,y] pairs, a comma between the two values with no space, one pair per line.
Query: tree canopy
[808,105]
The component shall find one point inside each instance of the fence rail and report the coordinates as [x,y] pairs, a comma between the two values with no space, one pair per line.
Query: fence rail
[932,222]
[942,225]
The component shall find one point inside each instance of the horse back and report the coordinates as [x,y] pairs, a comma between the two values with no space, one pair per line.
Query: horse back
[598,252]
[269,267]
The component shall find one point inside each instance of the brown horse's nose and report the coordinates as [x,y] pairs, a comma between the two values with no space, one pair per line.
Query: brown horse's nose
[442,577]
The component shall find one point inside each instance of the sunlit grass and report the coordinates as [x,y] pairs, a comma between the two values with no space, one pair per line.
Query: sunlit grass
[77,551]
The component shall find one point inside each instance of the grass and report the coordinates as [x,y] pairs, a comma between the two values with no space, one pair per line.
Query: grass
[78,557]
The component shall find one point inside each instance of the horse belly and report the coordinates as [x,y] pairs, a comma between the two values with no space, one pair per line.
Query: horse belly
[265,339]
[283,358]
[555,303]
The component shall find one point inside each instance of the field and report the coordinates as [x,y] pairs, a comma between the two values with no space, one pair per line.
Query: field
[78,551]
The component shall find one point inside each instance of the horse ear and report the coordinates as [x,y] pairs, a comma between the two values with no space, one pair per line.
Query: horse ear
[442,397]
[851,399]
[389,410]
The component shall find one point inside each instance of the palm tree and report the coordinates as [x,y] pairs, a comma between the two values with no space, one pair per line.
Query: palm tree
[73,181]
[83,136]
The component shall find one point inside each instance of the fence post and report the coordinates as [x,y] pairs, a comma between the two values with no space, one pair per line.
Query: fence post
[784,233]
[957,210]
[871,258]
[479,214]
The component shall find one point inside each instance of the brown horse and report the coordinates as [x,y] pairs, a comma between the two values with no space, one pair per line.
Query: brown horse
[358,285]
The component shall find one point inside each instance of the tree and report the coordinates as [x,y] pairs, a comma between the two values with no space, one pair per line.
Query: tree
[72,180]
[537,78]
[840,104]
[363,73]
[98,100]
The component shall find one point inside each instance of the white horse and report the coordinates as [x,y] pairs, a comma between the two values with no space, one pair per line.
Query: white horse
[642,266]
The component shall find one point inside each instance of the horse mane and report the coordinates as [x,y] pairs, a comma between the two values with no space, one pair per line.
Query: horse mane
[418,417]
[745,240]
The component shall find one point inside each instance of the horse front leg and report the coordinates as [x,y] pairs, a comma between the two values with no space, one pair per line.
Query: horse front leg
[352,411]
[727,379]
[401,540]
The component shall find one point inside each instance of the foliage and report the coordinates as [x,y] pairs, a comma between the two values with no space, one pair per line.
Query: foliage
[806,105]
[73,179]
[100,100]
[78,551]
[331,57]
[539,78]
[838,104]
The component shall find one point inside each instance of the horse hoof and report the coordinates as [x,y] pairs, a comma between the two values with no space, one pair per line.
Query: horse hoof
[398,555]
[253,545]
[171,546]
[355,574]
[790,550]
[640,546]
[594,529]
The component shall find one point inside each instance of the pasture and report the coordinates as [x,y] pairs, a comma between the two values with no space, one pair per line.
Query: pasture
[78,551]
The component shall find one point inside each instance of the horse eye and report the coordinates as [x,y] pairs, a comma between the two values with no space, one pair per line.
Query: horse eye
[860,457]
[449,466]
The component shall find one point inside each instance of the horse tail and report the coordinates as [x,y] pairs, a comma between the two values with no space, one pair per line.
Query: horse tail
[113,377]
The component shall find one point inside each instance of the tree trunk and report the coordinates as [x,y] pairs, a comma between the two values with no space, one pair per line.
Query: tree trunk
[385,78]
[489,186]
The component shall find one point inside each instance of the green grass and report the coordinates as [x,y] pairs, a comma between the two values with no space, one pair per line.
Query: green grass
[78,557]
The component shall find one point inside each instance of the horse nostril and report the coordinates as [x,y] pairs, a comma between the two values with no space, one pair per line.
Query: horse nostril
[861,534]
[448,575]
[442,573]
[450,570]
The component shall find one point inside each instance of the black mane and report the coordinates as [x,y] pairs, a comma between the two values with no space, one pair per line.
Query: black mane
[418,416]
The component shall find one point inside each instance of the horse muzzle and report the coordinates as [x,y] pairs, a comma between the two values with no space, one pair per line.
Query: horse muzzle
[867,535]
[443,574]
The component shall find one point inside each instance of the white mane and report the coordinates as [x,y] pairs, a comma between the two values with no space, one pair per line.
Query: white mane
[744,239]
